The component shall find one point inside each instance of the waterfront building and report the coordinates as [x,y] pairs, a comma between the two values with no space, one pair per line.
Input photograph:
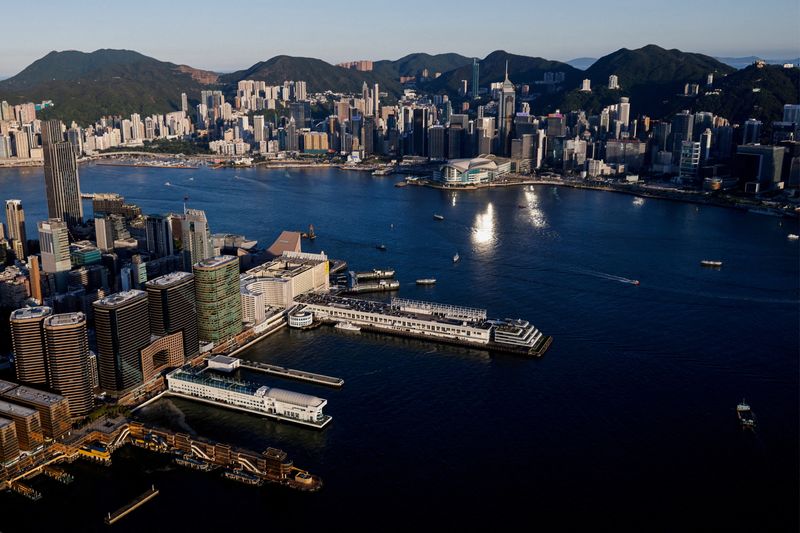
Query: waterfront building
[26,423]
[15,223]
[258,399]
[172,309]
[682,127]
[162,353]
[217,297]
[278,282]
[9,446]
[62,185]
[460,172]
[52,409]
[196,238]
[689,160]
[122,327]
[27,339]
[67,347]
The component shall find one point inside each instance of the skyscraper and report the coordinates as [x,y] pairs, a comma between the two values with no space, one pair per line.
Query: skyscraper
[159,235]
[36,278]
[219,303]
[171,304]
[197,243]
[27,337]
[505,115]
[68,360]
[54,244]
[682,126]
[15,222]
[62,185]
[123,329]
[475,78]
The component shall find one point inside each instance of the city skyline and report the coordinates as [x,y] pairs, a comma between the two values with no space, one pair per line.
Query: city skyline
[736,34]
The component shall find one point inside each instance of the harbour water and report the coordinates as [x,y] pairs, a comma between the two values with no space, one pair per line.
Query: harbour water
[628,421]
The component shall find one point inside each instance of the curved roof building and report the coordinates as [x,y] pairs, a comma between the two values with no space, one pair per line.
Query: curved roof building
[479,170]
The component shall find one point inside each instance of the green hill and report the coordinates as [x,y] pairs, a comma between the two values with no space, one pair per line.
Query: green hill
[521,70]
[86,86]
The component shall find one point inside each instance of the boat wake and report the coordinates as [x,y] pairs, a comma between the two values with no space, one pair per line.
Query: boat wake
[603,275]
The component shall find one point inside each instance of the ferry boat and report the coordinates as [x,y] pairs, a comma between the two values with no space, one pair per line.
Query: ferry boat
[426,281]
[347,326]
[381,247]
[710,263]
[456,258]
[793,237]
[438,217]
[746,416]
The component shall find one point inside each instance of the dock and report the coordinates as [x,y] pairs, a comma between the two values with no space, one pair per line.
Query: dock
[290,373]
[122,512]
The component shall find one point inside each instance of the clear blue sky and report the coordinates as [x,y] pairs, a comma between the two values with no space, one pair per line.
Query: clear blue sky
[222,35]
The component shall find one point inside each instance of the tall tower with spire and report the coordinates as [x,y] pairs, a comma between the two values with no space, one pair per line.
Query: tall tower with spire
[505,116]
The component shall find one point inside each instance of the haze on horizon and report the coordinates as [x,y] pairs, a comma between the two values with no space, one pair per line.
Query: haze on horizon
[196,33]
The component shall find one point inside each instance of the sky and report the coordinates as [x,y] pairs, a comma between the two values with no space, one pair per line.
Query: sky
[227,36]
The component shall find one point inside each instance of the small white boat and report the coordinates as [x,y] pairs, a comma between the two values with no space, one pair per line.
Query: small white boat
[438,217]
[710,263]
[793,237]
[426,281]
[638,201]
[347,326]
[168,184]
[456,258]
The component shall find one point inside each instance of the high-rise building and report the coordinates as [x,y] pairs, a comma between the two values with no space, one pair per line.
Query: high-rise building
[52,409]
[419,131]
[122,327]
[505,115]
[682,127]
[475,78]
[171,304]
[62,185]
[197,243]
[613,82]
[9,446]
[36,278]
[26,423]
[15,222]
[624,112]
[67,347]
[184,103]
[690,159]
[27,338]
[159,235]
[218,300]
[586,85]
[55,253]
[751,133]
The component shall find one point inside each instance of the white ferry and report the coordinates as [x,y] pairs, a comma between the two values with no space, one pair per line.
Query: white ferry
[347,326]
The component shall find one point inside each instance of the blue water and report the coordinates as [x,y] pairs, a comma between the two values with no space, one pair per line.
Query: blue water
[628,422]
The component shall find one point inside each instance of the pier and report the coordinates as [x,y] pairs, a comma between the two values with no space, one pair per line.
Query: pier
[122,512]
[289,373]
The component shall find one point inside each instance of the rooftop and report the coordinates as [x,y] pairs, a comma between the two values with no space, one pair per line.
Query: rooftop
[223,359]
[120,298]
[65,319]
[34,396]
[215,262]
[168,280]
[27,313]
[8,408]
[6,386]
[5,422]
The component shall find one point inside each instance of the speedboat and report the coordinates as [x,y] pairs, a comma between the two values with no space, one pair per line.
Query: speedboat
[438,217]
[456,258]
[426,281]
[710,263]
[793,237]
[381,247]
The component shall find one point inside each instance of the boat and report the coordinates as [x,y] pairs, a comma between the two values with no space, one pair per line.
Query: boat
[635,282]
[347,326]
[746,416]
[438,217]
[168,184]
[426,281]
[456,258]
[381,247]
[710,263]
[793,237]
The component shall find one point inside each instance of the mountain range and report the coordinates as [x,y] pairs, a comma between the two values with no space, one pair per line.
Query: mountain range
[85,86]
